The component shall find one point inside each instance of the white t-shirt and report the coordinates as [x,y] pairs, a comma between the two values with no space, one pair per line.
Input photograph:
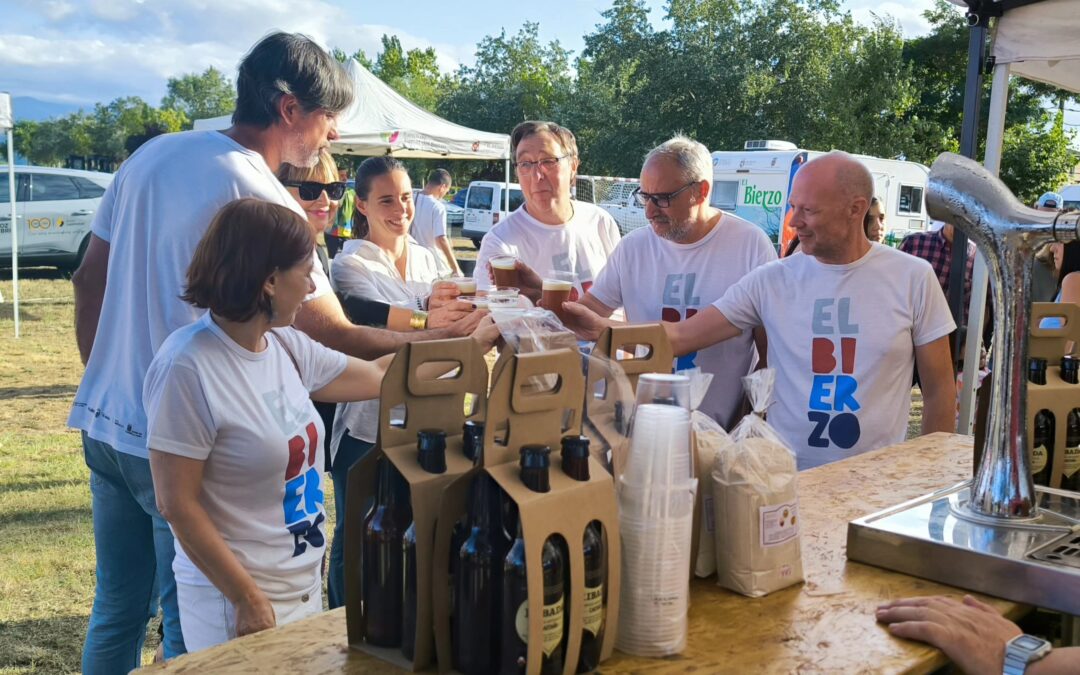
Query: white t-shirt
[429,223]
[248,416]
[654,279]
[581,246]
[842,339]
[153,215]
[364,270]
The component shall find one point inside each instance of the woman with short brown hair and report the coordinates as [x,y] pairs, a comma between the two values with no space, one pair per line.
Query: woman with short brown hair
[235,443]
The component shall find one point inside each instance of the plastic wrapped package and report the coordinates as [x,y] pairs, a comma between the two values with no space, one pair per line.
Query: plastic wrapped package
[755,502]
[709,440]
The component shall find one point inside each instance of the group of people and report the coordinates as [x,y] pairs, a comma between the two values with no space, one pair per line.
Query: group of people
[209,323]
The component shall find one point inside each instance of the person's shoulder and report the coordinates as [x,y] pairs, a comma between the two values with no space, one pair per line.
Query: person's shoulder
[899,261]
[589,212]
[187,345]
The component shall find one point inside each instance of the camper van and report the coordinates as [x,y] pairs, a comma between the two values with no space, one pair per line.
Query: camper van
[754,184]
[1070,198]
[484,207]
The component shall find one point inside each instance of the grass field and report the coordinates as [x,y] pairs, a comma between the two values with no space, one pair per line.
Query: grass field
[46,541]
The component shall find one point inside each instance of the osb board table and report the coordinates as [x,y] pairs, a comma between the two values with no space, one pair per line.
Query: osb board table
[824,625]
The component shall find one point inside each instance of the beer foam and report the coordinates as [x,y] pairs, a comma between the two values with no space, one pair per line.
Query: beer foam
[557,285]
[504,262]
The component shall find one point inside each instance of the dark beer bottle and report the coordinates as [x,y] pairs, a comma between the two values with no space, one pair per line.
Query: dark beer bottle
[472,439]
[1042,452]
[431,456]
[382,551]
[473,447]
[477,583]
[575,464]
[431,450]
[535,464]
[1070,475]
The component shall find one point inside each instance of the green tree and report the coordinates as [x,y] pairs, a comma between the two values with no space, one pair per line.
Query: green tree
[209,94]
[1035,157]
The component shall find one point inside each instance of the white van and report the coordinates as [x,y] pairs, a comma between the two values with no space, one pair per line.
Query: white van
[53,209]
[484,207]
[1070,198]
[754,184]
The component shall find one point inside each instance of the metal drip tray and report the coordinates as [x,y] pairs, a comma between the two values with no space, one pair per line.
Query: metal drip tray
[936,537]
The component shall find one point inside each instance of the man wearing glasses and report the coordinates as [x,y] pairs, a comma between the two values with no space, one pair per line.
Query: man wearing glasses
[847,320]
[688,257]
[551,233]
[127,301]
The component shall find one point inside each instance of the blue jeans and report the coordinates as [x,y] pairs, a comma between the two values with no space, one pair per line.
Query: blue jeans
[134,550]
[350,450]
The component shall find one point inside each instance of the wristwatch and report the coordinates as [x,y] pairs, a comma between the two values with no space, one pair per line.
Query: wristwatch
[1022,650]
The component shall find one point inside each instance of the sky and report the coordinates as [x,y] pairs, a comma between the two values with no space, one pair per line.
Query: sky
[86,51]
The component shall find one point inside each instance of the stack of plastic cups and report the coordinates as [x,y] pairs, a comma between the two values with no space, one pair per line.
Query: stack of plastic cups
[656,513]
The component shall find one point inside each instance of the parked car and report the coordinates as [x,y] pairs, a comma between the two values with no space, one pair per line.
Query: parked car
[620,203]
[53,212]
[1070,198]
[455,215]
[483,207]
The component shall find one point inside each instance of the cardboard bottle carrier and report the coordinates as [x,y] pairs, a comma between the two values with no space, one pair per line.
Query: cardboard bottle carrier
[1057,395]
[429,404]
[537,399]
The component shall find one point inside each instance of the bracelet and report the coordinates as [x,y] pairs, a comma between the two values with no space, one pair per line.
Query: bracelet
[418,321]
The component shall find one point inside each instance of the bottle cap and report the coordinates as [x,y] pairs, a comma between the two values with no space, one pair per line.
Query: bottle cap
[431,450]
[535,462]
[1036,363]
[575,447]
[472,439]
[1070,369]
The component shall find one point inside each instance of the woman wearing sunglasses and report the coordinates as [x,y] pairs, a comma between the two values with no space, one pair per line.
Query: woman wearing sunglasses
[319,192]
[386,265]
[551,231]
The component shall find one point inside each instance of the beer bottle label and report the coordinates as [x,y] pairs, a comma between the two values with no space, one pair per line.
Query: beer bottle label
[551,627]
[1072,461]
[593,614]
[1038,459]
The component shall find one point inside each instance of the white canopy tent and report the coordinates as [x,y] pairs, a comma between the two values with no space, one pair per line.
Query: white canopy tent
[381,121]
[1032,39]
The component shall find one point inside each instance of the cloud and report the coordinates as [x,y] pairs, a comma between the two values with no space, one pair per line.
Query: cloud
[97,50]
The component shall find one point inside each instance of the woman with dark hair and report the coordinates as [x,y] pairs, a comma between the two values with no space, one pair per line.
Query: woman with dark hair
[382,264]
[235,447]
[874,221]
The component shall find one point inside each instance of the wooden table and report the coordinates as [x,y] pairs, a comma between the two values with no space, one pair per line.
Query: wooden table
[824,625]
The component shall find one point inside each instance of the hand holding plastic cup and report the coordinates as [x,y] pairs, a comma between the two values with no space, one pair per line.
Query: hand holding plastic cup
[557,286]
[504,269]
[465,285]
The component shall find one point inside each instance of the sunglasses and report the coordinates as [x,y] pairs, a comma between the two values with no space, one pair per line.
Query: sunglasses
[310,190]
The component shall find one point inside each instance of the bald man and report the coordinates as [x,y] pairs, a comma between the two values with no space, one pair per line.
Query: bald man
[847,320]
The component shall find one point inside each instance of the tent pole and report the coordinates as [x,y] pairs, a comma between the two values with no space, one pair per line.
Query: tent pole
[995,133]
[506,188]
[14,229]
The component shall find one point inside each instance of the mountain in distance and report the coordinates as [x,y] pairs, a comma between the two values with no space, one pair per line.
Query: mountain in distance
[34,109]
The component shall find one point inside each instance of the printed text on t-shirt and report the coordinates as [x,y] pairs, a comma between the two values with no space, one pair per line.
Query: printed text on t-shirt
[832,403]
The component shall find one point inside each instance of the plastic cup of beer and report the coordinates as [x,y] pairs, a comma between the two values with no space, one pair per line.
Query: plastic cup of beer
[478,302]
[555,292]
[465,285]
[505,269]
[502,296]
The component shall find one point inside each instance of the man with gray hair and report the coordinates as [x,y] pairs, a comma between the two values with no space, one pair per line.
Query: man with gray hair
[688,257]
[847,320]
[127,301]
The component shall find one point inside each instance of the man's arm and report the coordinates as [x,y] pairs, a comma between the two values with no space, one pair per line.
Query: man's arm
[89,283]
[597,307]
[443,244]
[702,330]
[761,341]
[938,384]
[325,322]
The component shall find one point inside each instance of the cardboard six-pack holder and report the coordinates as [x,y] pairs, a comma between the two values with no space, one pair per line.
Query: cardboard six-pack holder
[1057,395]
[431,380]
[537,399]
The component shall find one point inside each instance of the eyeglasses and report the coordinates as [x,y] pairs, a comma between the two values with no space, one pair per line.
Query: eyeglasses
[660,199]
[310,190]
[546,164]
